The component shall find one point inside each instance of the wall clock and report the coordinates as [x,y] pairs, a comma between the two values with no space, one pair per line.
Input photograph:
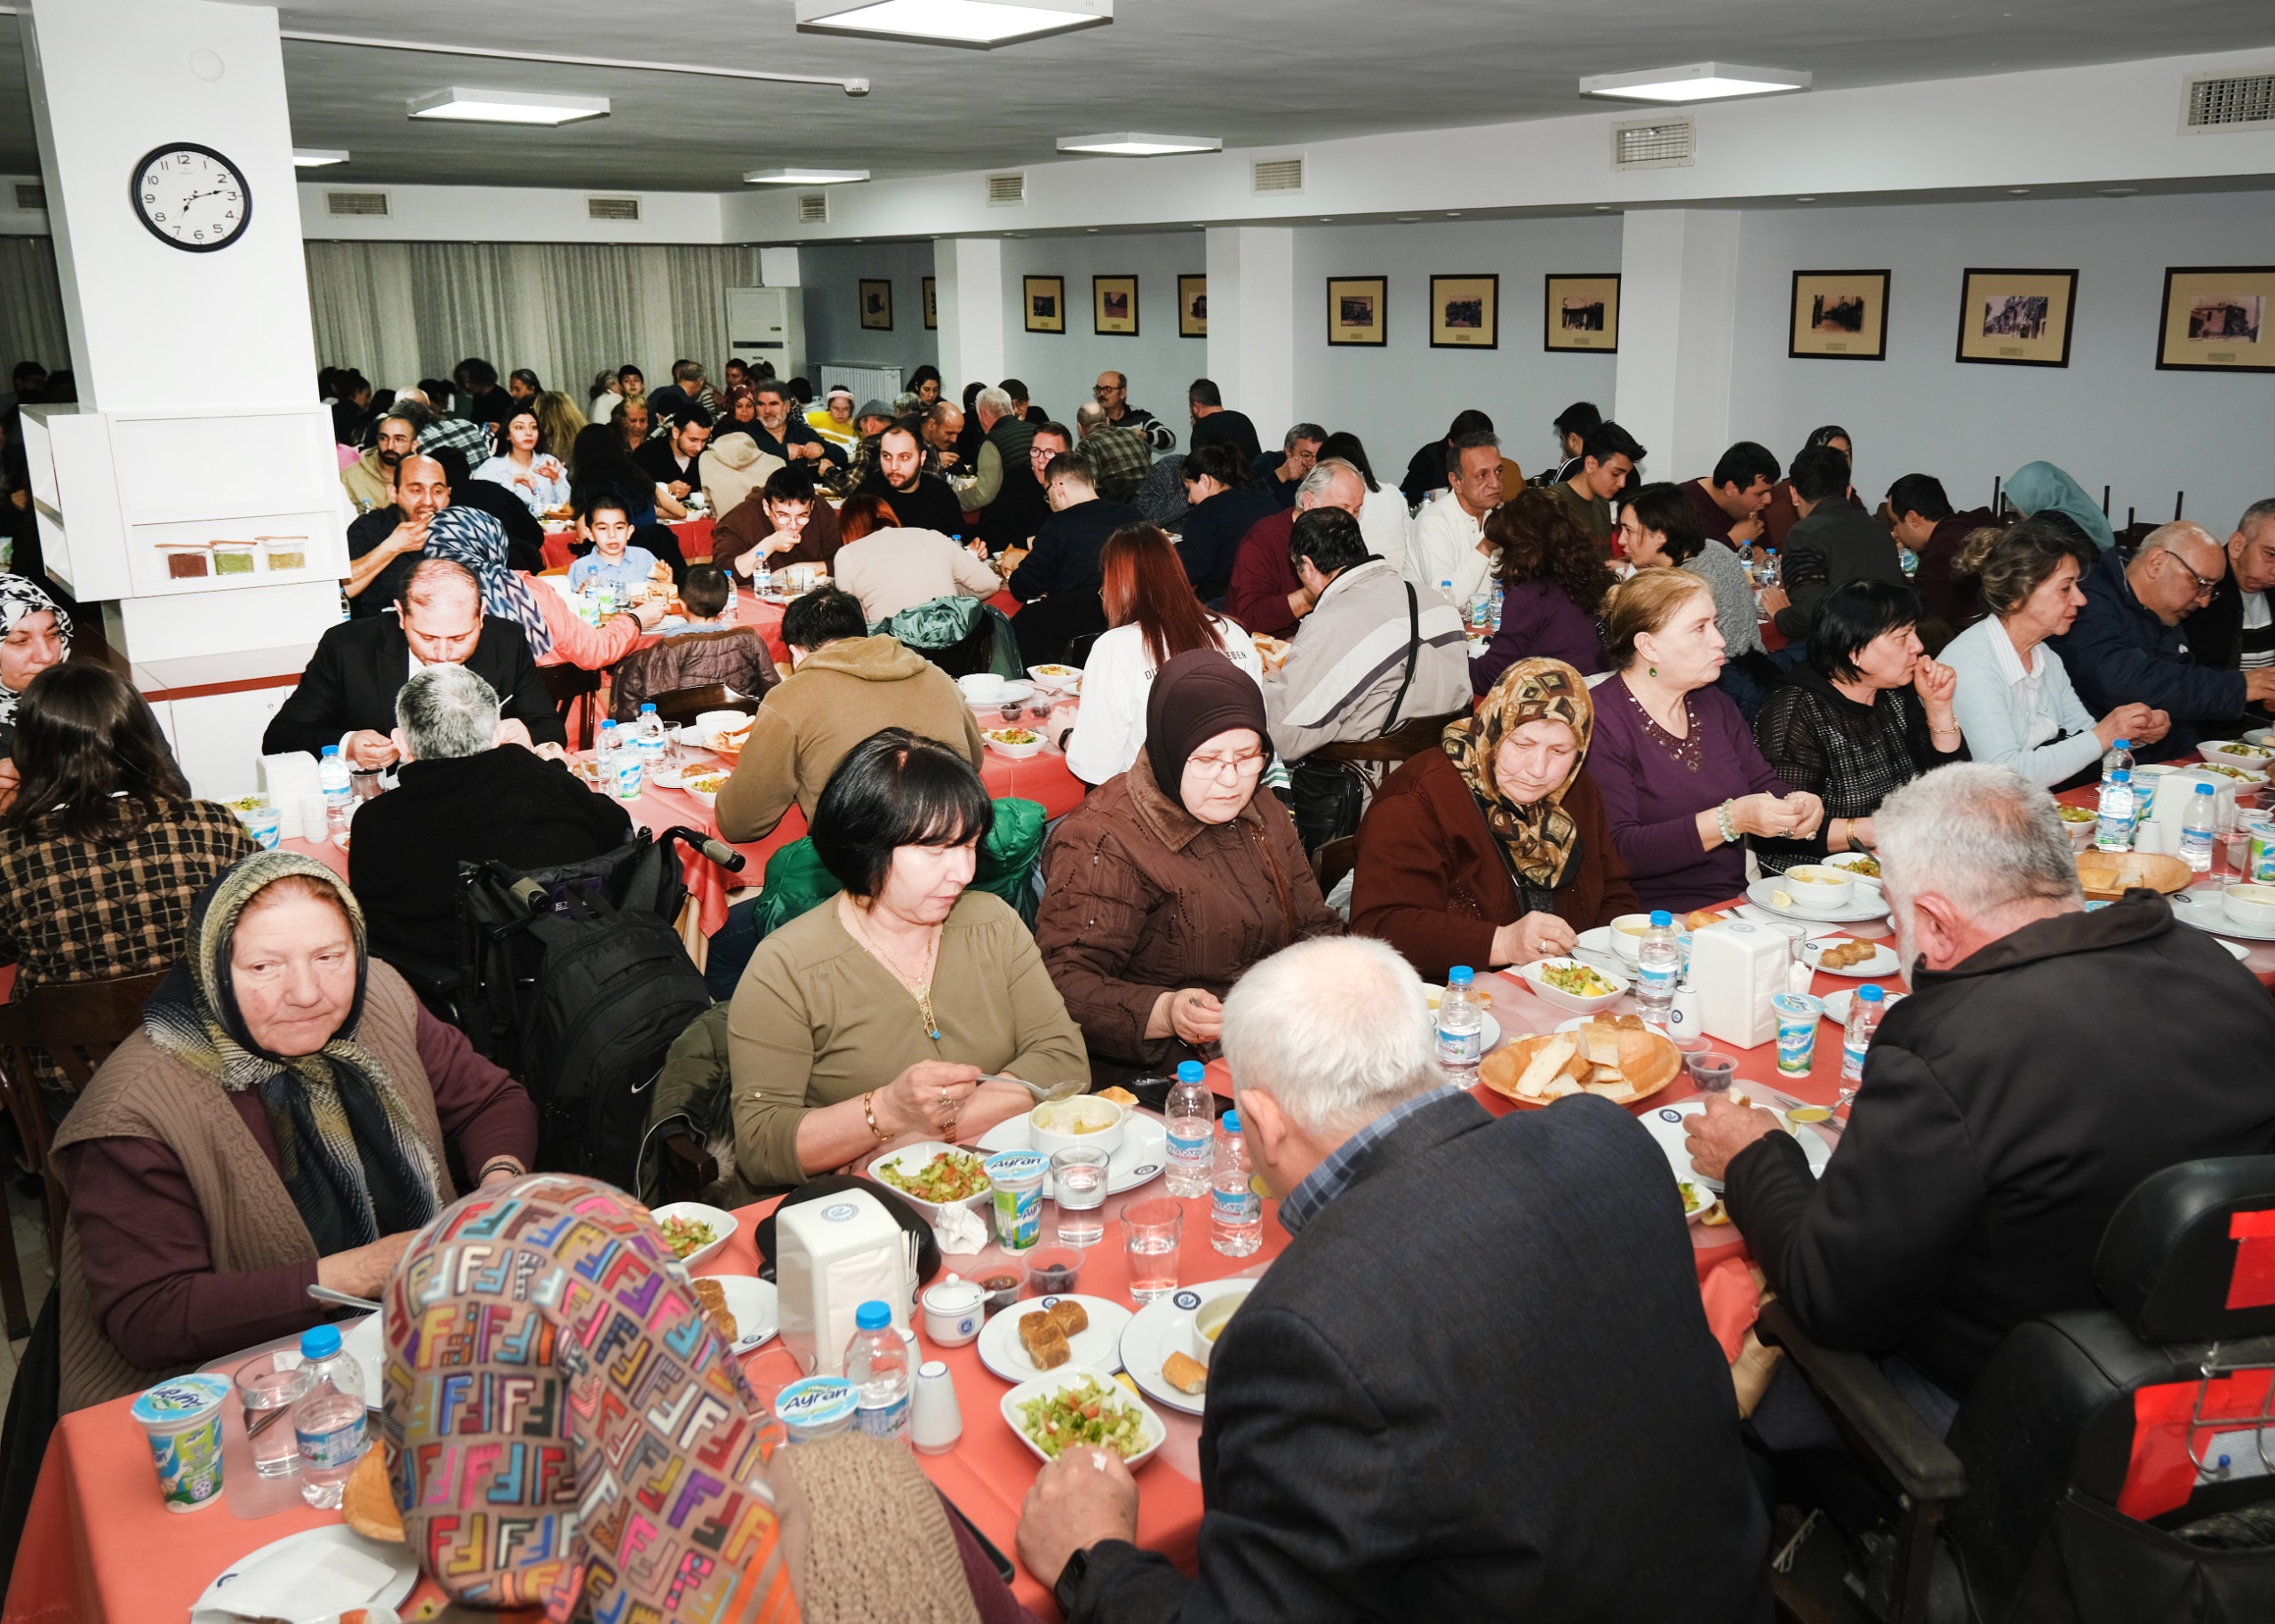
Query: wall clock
[190,197]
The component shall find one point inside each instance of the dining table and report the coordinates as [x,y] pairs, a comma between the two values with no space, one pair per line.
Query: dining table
[693,534]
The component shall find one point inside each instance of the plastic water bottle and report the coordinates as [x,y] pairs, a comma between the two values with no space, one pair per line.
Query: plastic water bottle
[1235,1213]
[1191,1109]
[1658,964]
[1461,1026]
[876,1363]
[648,734]
[2197,827]
[762,579]
[1497,595]
[339,790]
[329,1422]
[2114,832]
[1446,589]
[1865,1013]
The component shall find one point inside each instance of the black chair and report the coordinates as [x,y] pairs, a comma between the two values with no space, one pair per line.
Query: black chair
[2025,1490]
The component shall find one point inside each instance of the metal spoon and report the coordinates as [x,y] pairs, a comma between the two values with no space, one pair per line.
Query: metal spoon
[1055,1091]
[325,1293]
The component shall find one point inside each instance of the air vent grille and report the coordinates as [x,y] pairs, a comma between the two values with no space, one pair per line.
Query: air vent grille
[1276,175]
[1006,191]
[813,208]
[1663,143]
[2231,102]
[612,208]
[31,196]
[355,203]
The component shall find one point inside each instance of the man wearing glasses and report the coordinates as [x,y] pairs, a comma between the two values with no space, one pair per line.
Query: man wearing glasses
[1111,393]
[2129,643]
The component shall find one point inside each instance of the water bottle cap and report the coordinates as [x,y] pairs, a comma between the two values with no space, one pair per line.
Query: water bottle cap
[1230,1122]
[2203,789]
[1871,994]
[1190,1071]
[319,1342]
[1661,918]
[331,749]
[647,709]
[2121,776]
[873,1315]
[1460,975]
[2123,743]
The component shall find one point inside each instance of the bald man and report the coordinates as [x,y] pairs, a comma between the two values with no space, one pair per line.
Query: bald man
[384,545]
[1264,595]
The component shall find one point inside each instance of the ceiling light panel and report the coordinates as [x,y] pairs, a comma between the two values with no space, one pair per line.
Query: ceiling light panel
[1693,82]
[316,157]
[458,103]
[804,177]
[973,25]
[1132,144]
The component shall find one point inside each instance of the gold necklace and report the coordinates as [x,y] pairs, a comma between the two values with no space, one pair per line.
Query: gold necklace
[921,993]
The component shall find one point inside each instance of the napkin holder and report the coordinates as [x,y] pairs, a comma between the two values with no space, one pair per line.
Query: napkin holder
[1735,968]
[2175,789]
[831,1256]
[287,779]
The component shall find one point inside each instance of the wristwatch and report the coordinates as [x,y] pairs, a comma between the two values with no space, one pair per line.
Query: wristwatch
[1070,1582]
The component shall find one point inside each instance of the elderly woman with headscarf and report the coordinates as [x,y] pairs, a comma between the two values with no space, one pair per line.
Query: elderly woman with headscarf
[558,634]
[2040,487]
[1175,876]
[286,1118]
[1493,849]
[34,634]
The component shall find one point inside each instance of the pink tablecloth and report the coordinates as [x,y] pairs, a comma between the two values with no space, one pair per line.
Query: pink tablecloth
[694,542]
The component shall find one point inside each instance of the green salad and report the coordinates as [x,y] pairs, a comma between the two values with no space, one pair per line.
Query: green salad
[1088,1412]
[951,1176]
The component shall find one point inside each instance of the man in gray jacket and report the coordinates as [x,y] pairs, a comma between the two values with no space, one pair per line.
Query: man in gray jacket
[1834,543]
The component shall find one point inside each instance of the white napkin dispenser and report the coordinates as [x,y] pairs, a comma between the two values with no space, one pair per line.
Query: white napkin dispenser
[830,1257]
[1735,968]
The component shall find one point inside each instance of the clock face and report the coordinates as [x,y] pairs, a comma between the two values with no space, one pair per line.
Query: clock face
[190,197]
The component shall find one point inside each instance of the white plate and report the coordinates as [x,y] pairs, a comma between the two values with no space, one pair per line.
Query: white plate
[1861,905]
[722,1225]
[1098,1345]
[912,1158]
[2206,911]
[1140,1155]
[1849,860]
[366,1340]
[1150,1427]
[2209,750]
[1837,1002]
[1668,1125]
[1159,1330]
[751,1301]
[301,1593]
[1883,961]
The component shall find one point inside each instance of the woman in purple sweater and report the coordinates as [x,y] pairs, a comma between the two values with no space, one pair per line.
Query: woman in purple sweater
[1553,583]
[1681,780]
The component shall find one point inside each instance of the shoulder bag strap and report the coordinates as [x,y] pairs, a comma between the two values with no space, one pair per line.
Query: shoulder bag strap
[1413,653]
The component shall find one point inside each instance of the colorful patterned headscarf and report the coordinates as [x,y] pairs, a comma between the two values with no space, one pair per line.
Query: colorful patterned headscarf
[20,595]
[1538,836]
[563,1426]
[469,536]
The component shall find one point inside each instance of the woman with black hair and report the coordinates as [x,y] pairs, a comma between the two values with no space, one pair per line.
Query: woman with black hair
[1221,507]
[1554,584]
[524,466]
[1867,713]
[871,1020]
[925,383]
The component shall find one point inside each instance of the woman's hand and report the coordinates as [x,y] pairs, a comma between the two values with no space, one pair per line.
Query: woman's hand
[363,1272]
[1934,683]
[1859,831]
[1188,1012]
[1804,814]
[1539,934]
[926,1099]
[2130,721]
[1797,815]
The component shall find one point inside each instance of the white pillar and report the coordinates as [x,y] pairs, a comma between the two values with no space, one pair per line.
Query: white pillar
[1252,323]
[1677,313]
[968,277]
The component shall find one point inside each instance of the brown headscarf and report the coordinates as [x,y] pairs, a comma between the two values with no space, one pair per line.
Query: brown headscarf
[1197,696]
[1539,838]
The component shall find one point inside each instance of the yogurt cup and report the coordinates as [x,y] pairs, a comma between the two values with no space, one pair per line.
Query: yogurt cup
[816,1407]
[264,826]
[182,1420]
[1798,1015]
[1017,1178]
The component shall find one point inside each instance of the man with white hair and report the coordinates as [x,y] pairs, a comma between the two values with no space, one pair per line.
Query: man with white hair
[1264,595]
[2047,1060]
[1408,1418]
[2128,646]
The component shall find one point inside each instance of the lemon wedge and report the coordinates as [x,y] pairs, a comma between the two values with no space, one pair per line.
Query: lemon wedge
[1781,899]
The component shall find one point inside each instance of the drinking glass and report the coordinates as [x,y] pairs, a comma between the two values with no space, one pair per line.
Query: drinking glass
[267,1388]
[1078,1176]
[1152,1232]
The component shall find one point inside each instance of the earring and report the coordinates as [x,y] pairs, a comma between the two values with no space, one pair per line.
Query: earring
[1655,671]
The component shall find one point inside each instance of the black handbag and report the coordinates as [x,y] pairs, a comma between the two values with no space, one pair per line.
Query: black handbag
[1327,797]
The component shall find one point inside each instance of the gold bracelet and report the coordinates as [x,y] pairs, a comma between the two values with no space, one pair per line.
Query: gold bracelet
[869,1110]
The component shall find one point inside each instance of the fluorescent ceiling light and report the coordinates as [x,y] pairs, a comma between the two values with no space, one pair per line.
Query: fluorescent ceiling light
[1693,82]
[1131,144]
[508,107]
[976,24]
[316,157]
[804,177]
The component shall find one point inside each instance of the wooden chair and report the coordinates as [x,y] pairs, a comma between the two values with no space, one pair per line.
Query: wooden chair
[576,695]
[683,705]
[79,1024]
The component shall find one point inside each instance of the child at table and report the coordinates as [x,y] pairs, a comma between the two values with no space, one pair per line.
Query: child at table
[613,558]
[704,594]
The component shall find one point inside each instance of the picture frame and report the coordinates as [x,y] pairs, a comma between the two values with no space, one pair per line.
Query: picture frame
[2215,319]
[1044,300]
[1193,307]
[2015,318]
[1358,311]
[1838,316]
[931,304]
[1581,312]
[876,306]
[1114,306]
[1466,312]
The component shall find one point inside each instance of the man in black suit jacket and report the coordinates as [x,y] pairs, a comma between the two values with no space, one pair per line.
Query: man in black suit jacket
[1058,579]
[1477,1370]
[346,695]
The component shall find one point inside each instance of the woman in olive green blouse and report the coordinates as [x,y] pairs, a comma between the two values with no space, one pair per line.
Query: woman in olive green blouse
[869,1021]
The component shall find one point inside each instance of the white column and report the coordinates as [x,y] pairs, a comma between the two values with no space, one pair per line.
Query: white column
[969,274]
[1252,323]
[1677,312]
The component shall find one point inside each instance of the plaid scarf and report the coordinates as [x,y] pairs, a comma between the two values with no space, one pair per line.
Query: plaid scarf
[469,536]
[1538,836]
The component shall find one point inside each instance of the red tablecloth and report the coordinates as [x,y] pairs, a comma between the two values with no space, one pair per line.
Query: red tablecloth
[694,542]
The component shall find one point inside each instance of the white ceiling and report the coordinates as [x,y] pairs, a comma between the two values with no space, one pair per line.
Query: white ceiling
[1253,72]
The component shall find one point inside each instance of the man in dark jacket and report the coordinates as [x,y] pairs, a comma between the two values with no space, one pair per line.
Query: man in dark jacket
[921,501]
[2128,643]
[1924,522]
[2047,1061]
[1058,579]
[1406,1420]
[1833,544]
[1215,424]
[2236,631]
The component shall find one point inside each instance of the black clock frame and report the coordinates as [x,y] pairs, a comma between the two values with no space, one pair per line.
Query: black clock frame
[135,196]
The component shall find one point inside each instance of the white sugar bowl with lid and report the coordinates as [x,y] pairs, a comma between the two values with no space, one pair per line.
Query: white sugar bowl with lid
[952,1311]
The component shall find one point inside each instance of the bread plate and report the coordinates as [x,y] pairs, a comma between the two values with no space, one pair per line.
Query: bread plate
[1160,1329]
[2112,873]
[1882,963]
[1501,1070]
[1097,1346]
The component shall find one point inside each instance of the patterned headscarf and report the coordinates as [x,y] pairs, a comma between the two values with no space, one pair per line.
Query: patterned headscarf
[20,595]
[470,537]
[1539,837]
[351,1155]
[563,1426]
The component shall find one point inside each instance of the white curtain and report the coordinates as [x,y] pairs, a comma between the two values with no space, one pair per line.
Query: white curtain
[31,307]
[403,311]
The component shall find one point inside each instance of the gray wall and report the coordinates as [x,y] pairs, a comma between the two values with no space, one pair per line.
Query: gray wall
[833,274]
[1059,369]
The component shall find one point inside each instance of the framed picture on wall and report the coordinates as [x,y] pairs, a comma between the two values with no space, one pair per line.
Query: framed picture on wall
[1582,313]
[1114,305]
[1358,310]
[1839,315]
[1046,303]
[931,304]
[2016,318]
[2215,319]
[1193,307]
[1464,312]
[876,305]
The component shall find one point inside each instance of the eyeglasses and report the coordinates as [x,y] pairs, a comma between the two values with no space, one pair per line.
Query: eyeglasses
[1227,767]
[2205,584]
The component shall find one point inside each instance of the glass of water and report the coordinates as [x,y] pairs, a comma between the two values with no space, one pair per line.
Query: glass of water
[1153,1230]
[1078,1184]
[267,1388]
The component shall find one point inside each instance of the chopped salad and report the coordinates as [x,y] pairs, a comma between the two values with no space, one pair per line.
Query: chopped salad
[951,1176]
[1693,1198]
[1083,1413]
[688,1235]
[1577,979]
[1015,735]
[1869,867]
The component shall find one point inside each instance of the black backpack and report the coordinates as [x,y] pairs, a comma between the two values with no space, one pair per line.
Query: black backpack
[574,980]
